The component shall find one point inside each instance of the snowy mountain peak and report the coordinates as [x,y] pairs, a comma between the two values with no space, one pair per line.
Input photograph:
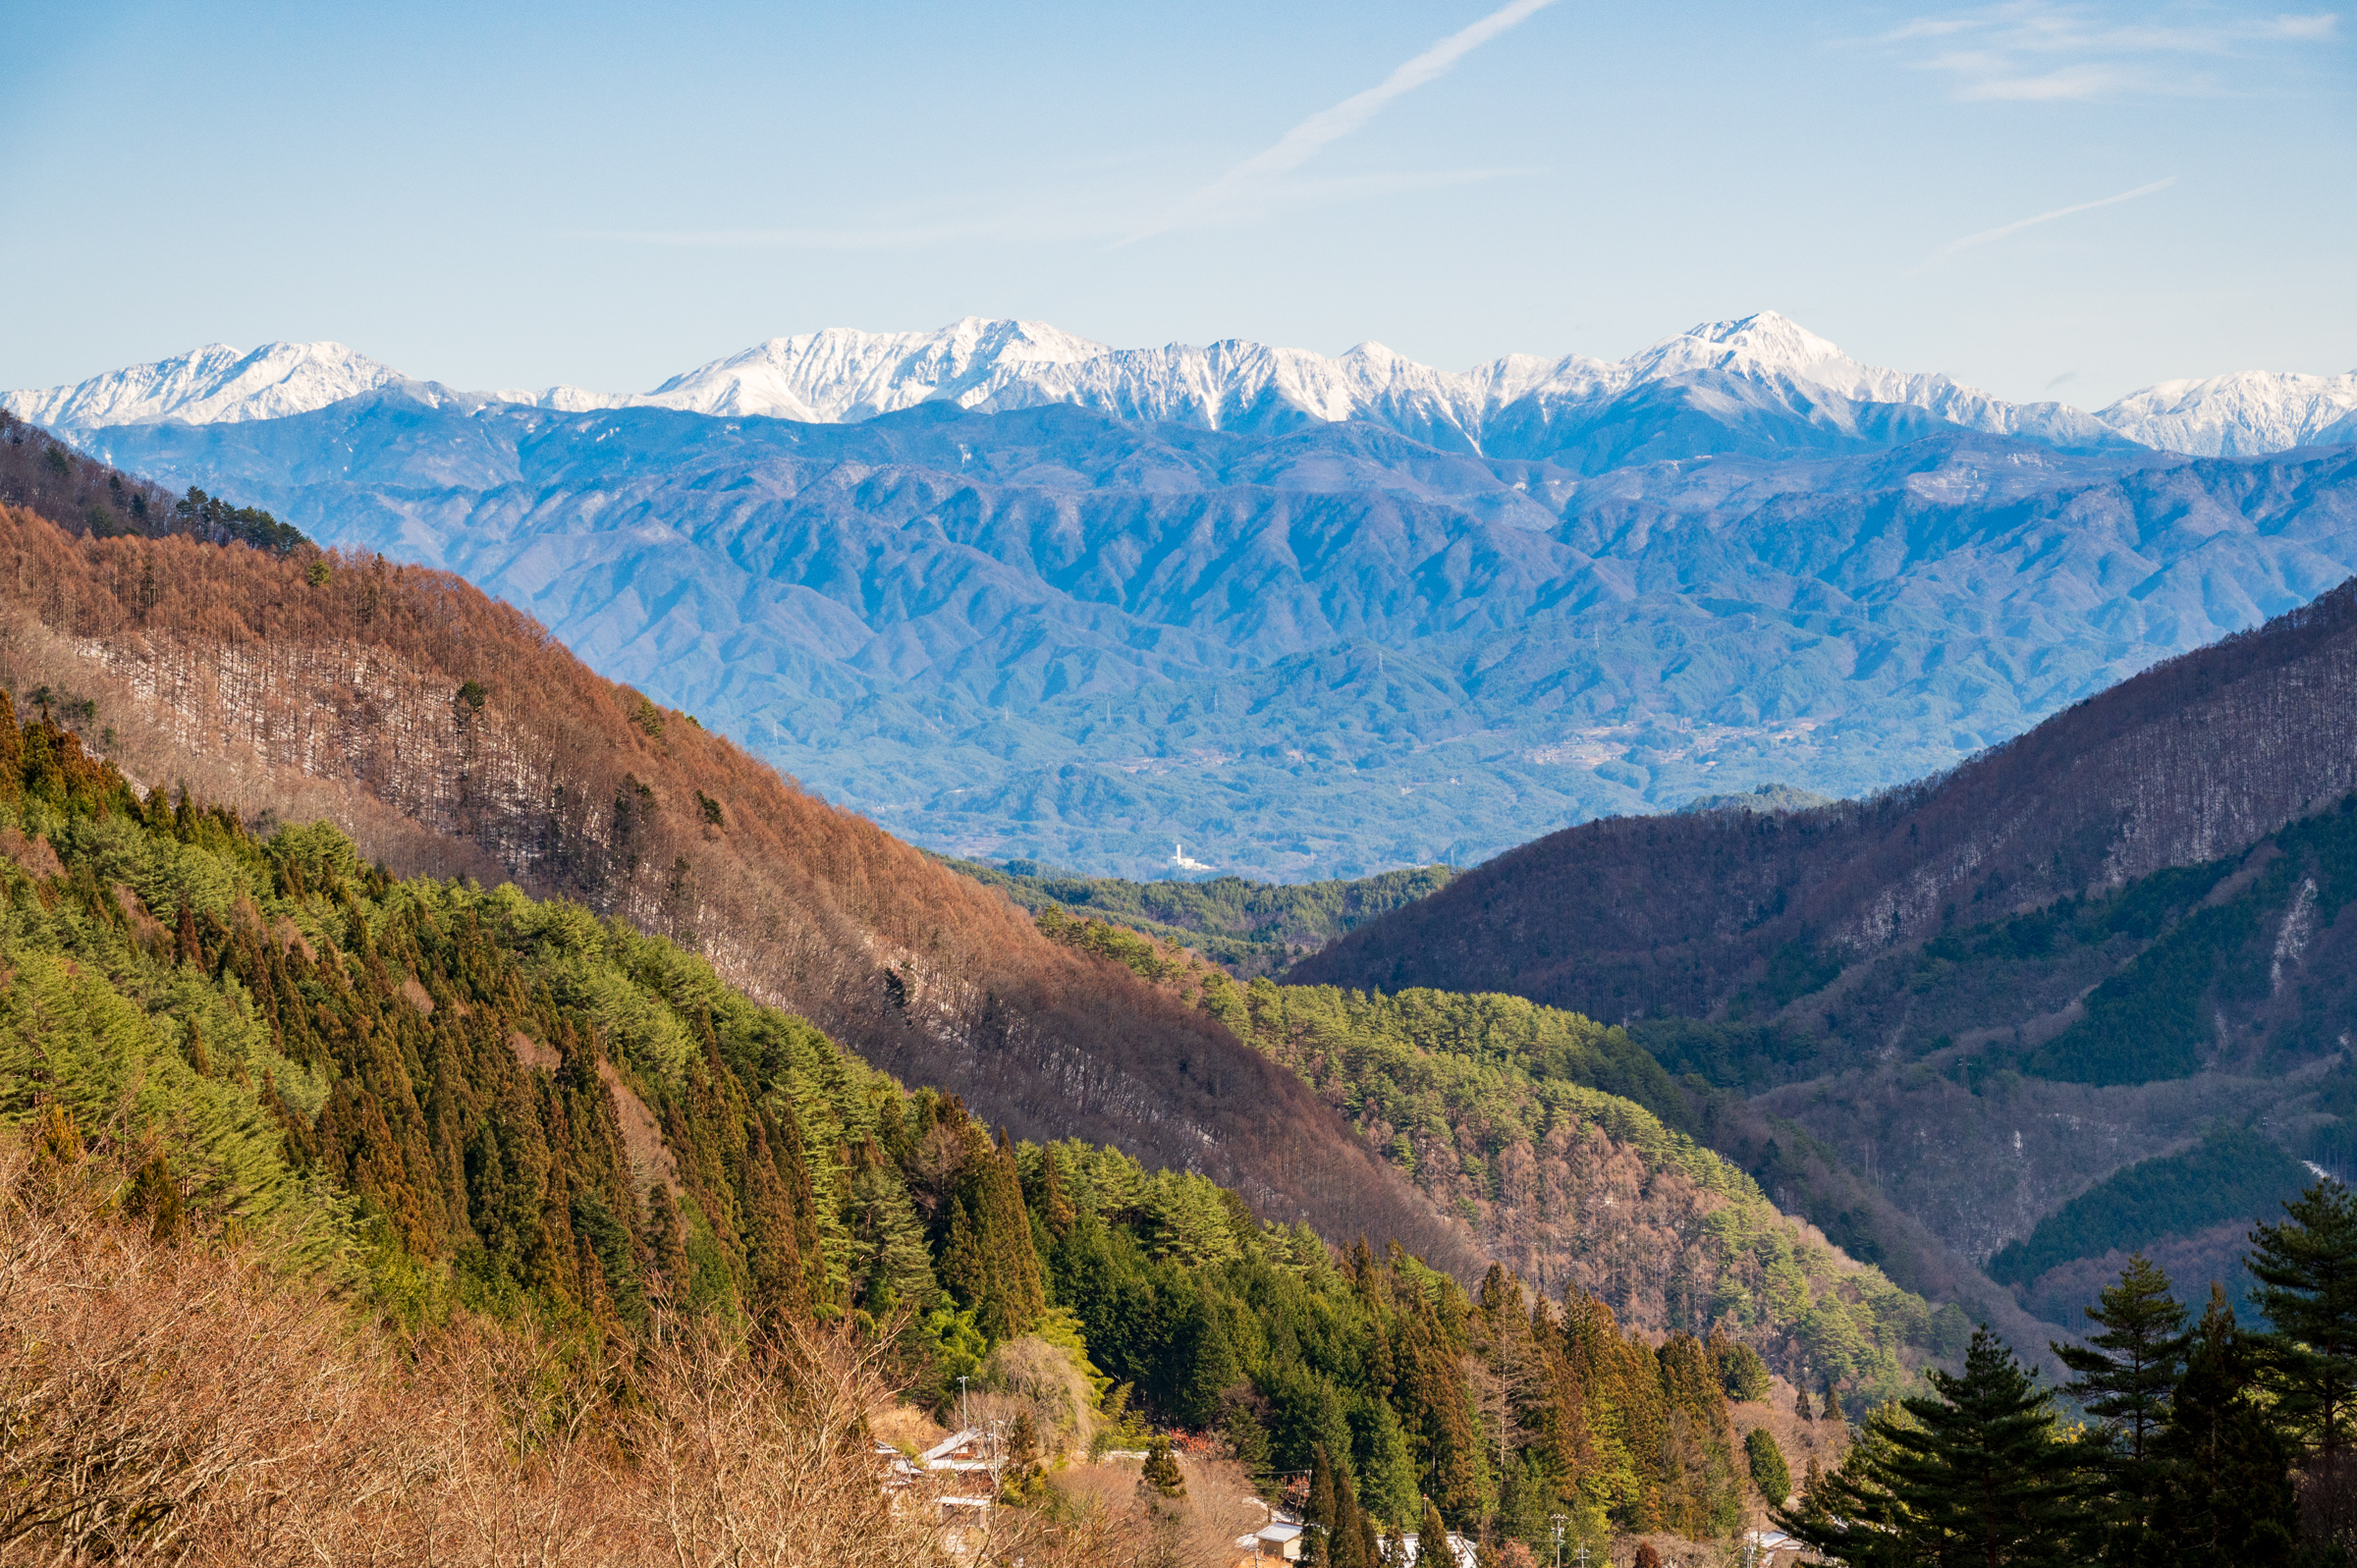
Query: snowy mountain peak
[214,384]
[1768,347]
[994,363]
[2247,414]
[1767,334]
[841,374]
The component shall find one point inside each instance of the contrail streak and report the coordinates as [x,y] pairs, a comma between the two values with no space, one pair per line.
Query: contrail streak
[1990,235]
[1329,125]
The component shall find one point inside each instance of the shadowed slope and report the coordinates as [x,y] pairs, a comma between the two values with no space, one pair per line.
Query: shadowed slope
[2195,759]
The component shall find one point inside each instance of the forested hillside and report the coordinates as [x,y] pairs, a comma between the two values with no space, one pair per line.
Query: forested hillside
[46,475]
[1248,928]
[2013,998]
[452,737]
[479,1107]
[1653,916]
[1546,1133]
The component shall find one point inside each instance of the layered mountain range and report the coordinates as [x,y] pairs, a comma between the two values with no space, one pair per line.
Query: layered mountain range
[1511,407]
[1015,594]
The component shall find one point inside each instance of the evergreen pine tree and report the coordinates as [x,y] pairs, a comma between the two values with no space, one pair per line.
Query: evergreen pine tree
[2222,1486]
[2124,1377]
[192,1050]
[666,1243]
[2306,1273]
[1324,1508]
[1055,1206]
[1349,1540]
[1979,1468]
[1800,1405]
[12,750]
[1851,1516]
[1248,1444]
[1974,1476]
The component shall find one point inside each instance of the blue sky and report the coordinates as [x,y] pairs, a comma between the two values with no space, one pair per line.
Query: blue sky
[603,195]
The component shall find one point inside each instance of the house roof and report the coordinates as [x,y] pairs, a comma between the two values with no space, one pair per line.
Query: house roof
[951,1444]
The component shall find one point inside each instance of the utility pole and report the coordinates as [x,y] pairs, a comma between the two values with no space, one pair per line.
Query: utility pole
[962,1426]
[1557,1519]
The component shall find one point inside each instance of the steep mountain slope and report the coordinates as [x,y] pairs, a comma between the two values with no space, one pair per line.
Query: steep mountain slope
[451,735]
[598,1199]
[1995,992]
[2198,757]
[1054,634]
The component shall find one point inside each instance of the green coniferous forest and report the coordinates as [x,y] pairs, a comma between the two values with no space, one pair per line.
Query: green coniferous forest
[1251,927]
[461,1101]
[453,1103]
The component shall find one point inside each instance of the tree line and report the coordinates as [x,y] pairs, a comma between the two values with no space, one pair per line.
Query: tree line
[2208,1440]
[96,501]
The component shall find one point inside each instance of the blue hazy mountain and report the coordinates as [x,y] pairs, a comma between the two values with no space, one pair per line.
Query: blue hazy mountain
[1311,648]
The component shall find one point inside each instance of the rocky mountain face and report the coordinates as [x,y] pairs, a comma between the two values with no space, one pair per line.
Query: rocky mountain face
[2028,984]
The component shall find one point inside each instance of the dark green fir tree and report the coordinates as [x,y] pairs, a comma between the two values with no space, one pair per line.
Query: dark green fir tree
[2222,1485]
[2124,1377]
[2307,1273]
[1975,1475]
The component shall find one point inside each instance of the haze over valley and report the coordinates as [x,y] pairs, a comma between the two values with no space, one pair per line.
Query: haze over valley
[1015,594]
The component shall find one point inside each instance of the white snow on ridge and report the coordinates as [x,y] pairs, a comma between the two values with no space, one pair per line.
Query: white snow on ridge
[2243,416]
[843,375]
[211,384]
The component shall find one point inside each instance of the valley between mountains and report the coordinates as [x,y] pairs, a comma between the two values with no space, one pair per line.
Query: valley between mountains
[349,914]
[643,896]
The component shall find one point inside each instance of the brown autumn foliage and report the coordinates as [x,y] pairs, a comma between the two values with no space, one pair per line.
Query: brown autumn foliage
[1631,917]
[448,734]
[188,1402]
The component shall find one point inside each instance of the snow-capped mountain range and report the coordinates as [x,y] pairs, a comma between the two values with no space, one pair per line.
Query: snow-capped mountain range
[841,375]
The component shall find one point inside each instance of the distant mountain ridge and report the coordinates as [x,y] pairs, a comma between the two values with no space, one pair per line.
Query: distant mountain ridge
[1018,594]
[1327,651]
[1520,405]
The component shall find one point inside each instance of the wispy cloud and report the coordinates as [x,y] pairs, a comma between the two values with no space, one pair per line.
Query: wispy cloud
[1252,178]
[2064,379]
[2040,51]
[2003,229]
